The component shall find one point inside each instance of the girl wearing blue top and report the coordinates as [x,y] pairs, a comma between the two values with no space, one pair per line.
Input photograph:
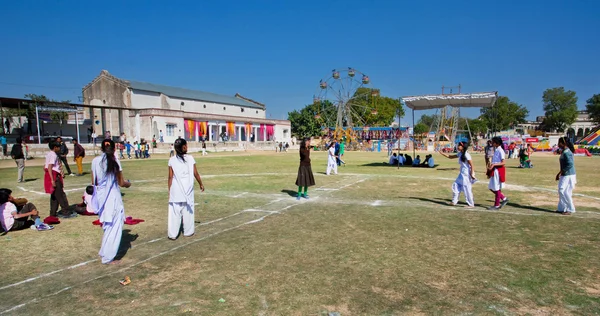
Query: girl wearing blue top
[566,177]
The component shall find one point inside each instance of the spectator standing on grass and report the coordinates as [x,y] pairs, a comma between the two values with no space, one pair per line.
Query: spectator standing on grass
[331,159]
[489,153]
[54,183]
[79,154]
[182,172]
[161,136]
[62,154]
[17,214]
[497,174]
[171,151]
[94,136]
[466,175]
[4,146]
[204,148]
[566,177]
[18,154]
[107,178]
[128,147]
[305,176]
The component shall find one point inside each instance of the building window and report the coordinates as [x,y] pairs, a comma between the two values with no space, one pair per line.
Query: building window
[223,108]
[242,109]
[256,112]
[170,129]
[205,106]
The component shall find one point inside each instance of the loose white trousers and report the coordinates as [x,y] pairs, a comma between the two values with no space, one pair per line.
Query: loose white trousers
[111,240]
[178,212]
[457,188]
[566,184]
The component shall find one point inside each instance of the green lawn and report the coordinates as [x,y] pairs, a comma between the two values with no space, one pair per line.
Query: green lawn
[373,240]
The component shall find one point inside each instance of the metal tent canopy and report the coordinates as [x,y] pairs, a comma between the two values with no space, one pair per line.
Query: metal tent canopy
[455,101]
[437,101]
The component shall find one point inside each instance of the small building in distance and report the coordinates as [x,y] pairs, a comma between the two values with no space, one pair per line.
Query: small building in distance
[145,110]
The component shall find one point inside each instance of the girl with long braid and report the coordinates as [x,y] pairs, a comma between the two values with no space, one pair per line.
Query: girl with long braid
[182,172]
[465,178]
[107,177]
[497,174]
[566,177]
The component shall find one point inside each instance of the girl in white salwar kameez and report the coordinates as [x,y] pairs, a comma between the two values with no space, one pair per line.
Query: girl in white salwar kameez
[465,178]
[107,177]
[182,172]
[331,159]
[566,177]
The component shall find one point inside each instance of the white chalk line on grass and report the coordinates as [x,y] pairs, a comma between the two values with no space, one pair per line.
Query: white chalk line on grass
[269,213]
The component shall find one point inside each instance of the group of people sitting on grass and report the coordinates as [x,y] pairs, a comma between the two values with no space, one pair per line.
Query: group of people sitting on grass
[406,160]
[19,213]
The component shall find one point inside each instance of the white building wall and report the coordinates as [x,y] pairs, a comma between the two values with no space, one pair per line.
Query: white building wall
[148,100]
[145,100]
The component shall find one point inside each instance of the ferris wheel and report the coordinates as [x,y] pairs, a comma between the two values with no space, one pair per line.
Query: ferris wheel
[344,99]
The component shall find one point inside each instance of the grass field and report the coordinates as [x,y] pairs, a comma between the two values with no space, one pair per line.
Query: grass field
[373,240]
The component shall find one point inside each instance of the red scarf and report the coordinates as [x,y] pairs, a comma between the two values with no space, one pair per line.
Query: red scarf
[501,173]
[48,181]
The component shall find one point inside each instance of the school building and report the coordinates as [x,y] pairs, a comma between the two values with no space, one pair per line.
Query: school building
[144,110]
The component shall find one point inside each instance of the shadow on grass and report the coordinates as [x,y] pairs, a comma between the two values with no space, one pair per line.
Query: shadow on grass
[385,164]
[291,193]
[532,208]
[446,169]
[125,245]
[444,202]
[31,180]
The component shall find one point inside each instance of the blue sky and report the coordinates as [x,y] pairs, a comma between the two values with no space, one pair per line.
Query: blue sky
[277,51]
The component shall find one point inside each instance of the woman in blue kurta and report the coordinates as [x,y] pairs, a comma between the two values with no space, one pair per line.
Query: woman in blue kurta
[107,177]
[566,177]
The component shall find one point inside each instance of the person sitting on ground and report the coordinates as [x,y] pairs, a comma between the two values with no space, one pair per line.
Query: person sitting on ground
[425,163]
[393,159]
[408,160]
[430,162]
[85,207]
[15,214]
[417,161]
[401,159]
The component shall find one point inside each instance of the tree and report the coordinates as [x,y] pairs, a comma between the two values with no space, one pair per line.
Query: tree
[560,107]
[304,123]
[428,121]
[593,108]
[503,115]
[364,103]
[420,128]
[477,127]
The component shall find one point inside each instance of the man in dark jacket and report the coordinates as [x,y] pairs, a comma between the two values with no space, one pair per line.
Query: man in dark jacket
[78,154]
[62,154]
[18,155]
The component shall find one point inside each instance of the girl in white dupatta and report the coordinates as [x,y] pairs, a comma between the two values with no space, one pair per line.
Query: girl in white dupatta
[107,177]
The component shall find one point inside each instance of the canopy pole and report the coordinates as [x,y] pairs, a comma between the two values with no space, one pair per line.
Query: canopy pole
[37,121]
[413,117]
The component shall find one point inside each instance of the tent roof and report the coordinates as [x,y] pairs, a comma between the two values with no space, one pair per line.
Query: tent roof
[436,101]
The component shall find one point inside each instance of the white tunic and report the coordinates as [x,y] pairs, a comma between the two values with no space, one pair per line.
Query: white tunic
[465,169]
[331,156]
[495,184]
[182,187]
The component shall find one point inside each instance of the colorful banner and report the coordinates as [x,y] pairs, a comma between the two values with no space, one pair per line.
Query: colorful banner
[189,130]
[231,129]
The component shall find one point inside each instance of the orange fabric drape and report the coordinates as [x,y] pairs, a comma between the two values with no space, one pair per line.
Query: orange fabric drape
[231,128]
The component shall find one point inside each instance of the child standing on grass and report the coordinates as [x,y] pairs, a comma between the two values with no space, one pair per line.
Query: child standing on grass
[107,177]
[305,176]
[566,177]
[465,178]
[497,174]
[182,172]
[331,158]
